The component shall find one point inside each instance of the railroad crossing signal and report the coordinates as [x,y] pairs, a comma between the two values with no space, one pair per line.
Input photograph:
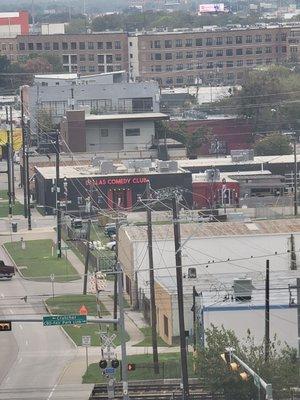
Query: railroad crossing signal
[107,341]
[5,326]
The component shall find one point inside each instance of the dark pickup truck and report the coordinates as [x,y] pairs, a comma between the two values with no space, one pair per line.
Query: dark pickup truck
[6,271]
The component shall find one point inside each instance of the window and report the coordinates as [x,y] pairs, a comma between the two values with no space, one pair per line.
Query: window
[109,59]
[219,64]
[118,57]
[91,57]
[169,68]
[168,56]
[199,54]
[11,47]
[57,108]
[268,38]
[209,41]
[268,50]
[178,43]
[248,39]
[39,46]
[179,80]
[169,81]
[189,43]
[179,67]
[30,46]
[21,46]
[100,45]
[166,326]
[219,41]
[179,55]
[157,68]
[46,46]
[81,45]
[239,52]
[249,51]
[229,64]
[55,46]
[82,68]
[91,45]
[4,46]
[79,200]
[65,59]
[108,45]
[219,53]
[283,37]
[258,50]
[157,44]
[189,66]
[249,62]
[104,132]
[239,63]
[198,42]
[199,66]
[91,68]
[229,52]
[210,65]
[100,68]
[168,44]
[100,59]
[283,49]
[132,132]
[209,53]
[190,79]
[269,61]
[117,45]
[82,57]
[73,59]
[73,45]
[229,40]
[258,38]
[239,39]
[259,61]
[189,54]
[64,45]
[157,56]
[230,76]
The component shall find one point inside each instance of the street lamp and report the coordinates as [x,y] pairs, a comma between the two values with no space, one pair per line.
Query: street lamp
[293,137]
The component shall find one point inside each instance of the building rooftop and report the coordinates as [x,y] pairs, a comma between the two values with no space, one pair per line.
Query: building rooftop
[121,117]
[216,229]
[75,76]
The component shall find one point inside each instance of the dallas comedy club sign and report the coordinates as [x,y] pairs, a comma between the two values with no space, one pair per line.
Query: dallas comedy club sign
[124,181]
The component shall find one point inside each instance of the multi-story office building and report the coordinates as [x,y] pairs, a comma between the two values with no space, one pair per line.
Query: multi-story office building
[82,53]
[210,56]
[173,58]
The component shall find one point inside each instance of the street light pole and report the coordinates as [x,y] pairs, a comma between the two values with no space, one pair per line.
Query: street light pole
[295,177]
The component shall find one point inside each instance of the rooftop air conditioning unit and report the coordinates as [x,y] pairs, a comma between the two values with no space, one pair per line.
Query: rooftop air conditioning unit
[106,167]
[212,175]
[242,155]
[242,289]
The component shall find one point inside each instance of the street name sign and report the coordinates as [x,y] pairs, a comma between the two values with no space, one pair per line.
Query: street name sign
[64,320]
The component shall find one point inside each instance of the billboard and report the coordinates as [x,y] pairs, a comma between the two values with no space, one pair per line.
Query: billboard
[211,8]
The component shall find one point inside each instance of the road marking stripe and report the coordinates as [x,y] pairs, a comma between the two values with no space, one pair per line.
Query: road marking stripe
[52,391]
[21,327]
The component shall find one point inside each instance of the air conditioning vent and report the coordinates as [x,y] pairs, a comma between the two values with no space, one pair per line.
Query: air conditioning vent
[242,289]
[192,273]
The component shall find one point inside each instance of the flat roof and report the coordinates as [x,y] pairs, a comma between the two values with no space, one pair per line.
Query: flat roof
[213,161]
[87,171]
[120,117]
[216,229]
[76,76]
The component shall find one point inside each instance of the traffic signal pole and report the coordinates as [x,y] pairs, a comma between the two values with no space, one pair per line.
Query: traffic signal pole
[57,188]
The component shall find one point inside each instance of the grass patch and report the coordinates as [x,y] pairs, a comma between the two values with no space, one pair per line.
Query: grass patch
[70,304]
[3,195]
[17,209]
[147,341]
[39,262]
[125,302]
[169,368]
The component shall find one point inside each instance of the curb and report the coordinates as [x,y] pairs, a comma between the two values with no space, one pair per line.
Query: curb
[13,262]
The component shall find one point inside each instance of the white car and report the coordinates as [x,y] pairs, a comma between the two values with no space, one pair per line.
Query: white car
[111,245]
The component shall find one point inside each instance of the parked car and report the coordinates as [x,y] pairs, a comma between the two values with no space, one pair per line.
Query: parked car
[110,229]
[111,245]
[6,271]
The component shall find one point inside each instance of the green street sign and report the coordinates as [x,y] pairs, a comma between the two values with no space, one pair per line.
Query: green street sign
[64,320]
[256,380]
[65,248]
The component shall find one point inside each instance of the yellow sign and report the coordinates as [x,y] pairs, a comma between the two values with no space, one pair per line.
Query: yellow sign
[17,138]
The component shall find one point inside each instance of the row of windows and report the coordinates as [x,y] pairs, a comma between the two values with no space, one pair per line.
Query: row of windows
[209,65]
[217,41]
[193,79]
[67,46]
[92,68]
[217,53]
[100,58]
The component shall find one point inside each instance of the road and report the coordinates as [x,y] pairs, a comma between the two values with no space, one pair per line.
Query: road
[33,357]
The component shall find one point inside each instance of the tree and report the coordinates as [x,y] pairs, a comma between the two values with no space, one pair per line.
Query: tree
[76,25]
[281,370]
[274,144]
[38,65]
[44,121]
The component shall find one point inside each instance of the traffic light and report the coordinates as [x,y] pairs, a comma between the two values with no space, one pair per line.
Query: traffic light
[244,376]
[103,364]
[131,367]
[5,326]
[226,357]
[234,366]
[115,363]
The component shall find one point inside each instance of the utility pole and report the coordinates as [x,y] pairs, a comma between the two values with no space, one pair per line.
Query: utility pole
[23,177]
[195,294]
[298,314]
[27,174]
[122,333]
[8,159]
[72,98]
[116,276]
[267,312]
[87,256]
[57,188]
[178,257]
[295,177]
[152,289]
[12,156]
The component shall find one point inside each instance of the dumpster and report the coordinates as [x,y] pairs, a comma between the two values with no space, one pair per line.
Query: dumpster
[14,226]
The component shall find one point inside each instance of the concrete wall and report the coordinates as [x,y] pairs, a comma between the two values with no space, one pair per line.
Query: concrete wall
[112,142]
[147,131]
[163,309]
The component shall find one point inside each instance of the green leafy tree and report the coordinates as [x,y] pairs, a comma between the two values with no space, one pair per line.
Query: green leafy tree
[274,144]
[76,25]
[281,370]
